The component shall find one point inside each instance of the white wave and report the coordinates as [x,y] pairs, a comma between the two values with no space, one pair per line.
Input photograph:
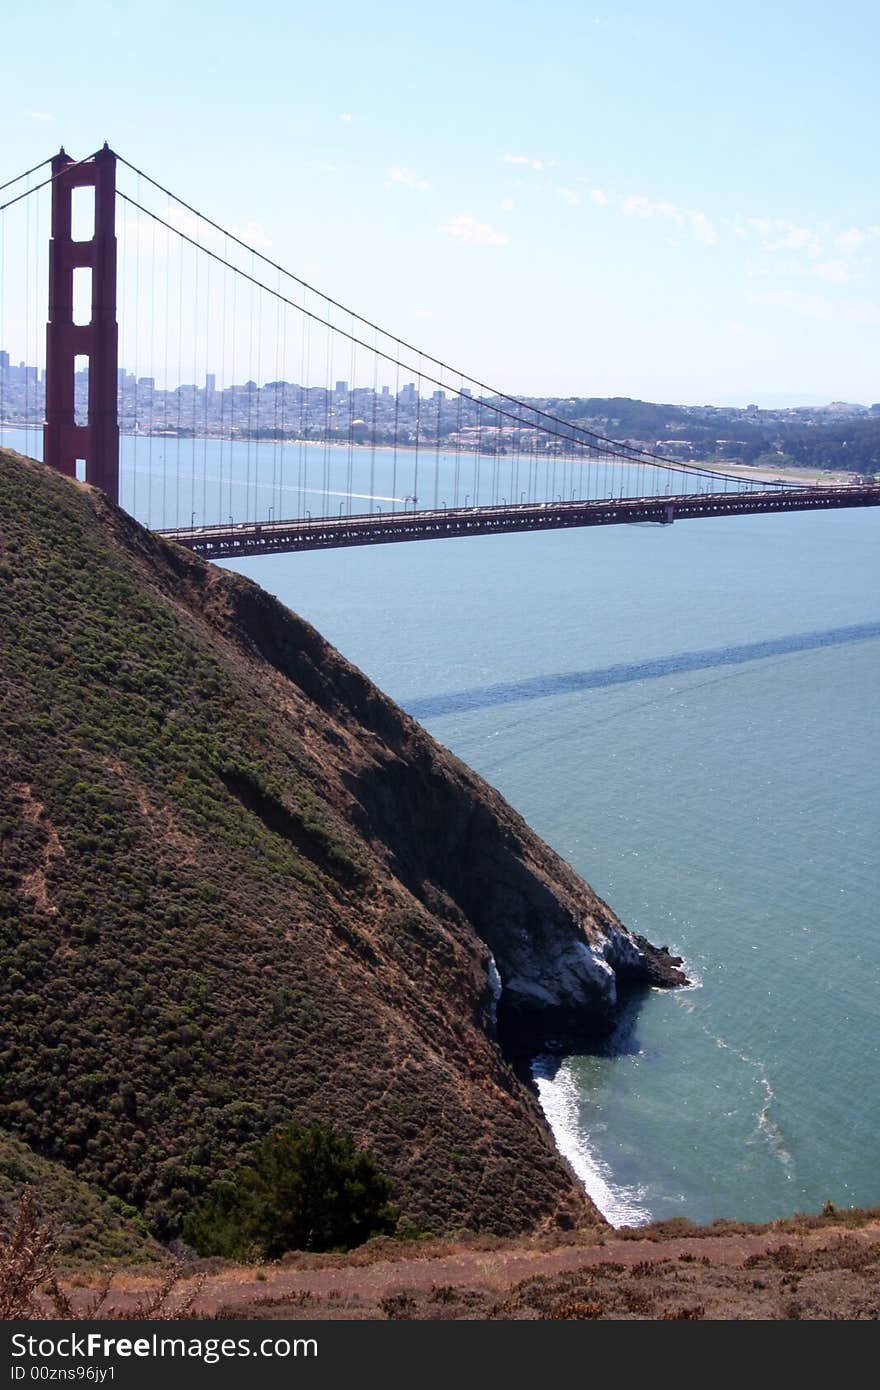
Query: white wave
[620,1205]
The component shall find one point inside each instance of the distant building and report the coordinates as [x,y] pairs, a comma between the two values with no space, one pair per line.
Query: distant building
[210,383]
[342,388]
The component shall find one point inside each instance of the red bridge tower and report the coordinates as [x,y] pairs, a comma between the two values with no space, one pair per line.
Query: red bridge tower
[64,441]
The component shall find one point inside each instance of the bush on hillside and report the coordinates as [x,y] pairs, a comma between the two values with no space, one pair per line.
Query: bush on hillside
[307,1189]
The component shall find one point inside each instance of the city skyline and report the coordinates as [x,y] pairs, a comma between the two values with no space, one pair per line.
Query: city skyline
[21,373]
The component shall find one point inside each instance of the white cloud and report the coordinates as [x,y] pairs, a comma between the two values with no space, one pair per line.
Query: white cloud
[507,204]
[775,234]
[636,205]
[568,195]
[41,116]
[797,239]
[136,231]
[811,246]
[466,229]
[839,270]
[734,330]
[702,228]
[598,197]
[836,272]
[852,240]
[346,116]
[529,162]
[253,233]
[407,178]
[818,306]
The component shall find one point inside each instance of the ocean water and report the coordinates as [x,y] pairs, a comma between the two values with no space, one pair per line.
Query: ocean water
[690,716]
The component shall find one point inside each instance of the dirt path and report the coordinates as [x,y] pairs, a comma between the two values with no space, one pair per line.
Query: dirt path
[253,1291]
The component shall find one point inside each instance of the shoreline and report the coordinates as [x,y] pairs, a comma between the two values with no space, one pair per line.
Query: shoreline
[559,1100]
[809,476]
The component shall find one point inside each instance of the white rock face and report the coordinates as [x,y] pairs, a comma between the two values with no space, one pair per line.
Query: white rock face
[558,972]
[494,989]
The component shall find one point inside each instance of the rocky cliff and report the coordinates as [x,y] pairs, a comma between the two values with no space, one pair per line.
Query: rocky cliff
[240,886]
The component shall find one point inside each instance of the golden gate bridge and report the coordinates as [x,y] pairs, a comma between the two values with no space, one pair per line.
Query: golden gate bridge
[314,427]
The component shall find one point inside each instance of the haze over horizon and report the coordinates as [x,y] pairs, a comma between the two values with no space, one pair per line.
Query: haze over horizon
[674,207]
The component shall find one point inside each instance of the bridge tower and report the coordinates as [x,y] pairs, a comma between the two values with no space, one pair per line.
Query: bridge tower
[64,441]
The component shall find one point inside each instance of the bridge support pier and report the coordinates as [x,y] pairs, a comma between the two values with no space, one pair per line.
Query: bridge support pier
[64,441]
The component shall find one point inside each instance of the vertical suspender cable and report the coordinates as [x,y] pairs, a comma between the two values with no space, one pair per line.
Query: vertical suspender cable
[396,426]
[373,423]
[195,389]
[352,381]
[250,403]
[153,374]
[209,363]
[305,374]
[221,510]
[328,415]
[135,443]
[277,429]
[415,488]
[258,447]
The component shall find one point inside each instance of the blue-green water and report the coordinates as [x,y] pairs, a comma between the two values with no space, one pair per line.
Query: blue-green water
[689,715]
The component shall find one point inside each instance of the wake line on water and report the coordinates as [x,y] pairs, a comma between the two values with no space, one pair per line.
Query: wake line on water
[571,682]
[766,1128]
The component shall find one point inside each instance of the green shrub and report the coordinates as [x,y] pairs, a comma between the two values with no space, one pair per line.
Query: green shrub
[307,1189]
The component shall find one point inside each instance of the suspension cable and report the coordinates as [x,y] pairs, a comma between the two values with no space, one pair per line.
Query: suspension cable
[18,178]
[571,431]
[568,432]
[74,164]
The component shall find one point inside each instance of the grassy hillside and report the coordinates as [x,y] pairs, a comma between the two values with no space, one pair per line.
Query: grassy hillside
[92,1228]
[238,887]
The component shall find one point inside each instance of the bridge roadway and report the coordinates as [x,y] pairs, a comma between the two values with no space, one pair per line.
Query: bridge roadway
[327,533]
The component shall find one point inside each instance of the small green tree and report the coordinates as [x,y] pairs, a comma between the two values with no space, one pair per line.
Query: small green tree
[306,1189]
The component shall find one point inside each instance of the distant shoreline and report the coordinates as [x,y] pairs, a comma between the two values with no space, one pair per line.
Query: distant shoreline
[815,476]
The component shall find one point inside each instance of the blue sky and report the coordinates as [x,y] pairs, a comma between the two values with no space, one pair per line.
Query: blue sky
[677,201]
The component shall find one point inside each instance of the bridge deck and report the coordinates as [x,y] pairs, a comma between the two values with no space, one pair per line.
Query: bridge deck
[326,533]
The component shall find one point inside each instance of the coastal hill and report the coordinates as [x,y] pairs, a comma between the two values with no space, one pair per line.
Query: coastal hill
[239,887]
